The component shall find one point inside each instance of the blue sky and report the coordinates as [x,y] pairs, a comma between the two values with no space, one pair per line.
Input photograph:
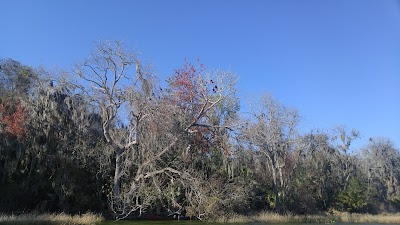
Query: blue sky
[337,62]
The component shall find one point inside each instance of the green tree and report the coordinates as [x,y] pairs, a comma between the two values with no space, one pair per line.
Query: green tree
[353,198]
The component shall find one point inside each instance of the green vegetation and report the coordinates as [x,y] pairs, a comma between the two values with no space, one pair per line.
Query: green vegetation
[352,198]
[105,137]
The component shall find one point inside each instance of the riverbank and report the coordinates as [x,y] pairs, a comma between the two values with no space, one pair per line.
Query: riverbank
[51,219]
[263,217]
[342,217]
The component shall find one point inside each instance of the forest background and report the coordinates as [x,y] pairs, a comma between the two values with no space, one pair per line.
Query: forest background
[99,112]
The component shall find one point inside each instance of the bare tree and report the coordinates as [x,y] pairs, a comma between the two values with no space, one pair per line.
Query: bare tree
[272,135]
[381,166]
[145,131]
[106,75]
[342,139]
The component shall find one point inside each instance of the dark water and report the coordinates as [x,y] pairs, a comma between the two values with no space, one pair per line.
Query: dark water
[157,222]
[188,222]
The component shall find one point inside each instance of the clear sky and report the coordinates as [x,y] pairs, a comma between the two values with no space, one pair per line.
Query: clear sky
[336,61]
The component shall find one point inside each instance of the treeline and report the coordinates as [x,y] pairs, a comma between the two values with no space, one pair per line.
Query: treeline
[106,137]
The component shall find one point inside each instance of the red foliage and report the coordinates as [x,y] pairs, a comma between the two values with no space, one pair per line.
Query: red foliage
[202,138]
[188,90]
[185,84]
[14,118]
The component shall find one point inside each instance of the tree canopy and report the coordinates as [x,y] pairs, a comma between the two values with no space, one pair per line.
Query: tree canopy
[116,142]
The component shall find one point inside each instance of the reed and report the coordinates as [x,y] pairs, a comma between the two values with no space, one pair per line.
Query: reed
[368,218]
[271,217]
[51,219]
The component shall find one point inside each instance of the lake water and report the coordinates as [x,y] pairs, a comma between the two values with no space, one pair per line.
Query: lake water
[156,222]
[189,222]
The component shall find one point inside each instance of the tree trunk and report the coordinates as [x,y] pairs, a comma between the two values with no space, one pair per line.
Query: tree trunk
[33,166]
[282,183]
[5,172]
[118,172]
[5,166]
[1,176]
[275,180]
[276,190]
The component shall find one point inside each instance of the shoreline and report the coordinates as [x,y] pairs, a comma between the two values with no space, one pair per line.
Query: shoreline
[336,217]
[51,219]
[262,217]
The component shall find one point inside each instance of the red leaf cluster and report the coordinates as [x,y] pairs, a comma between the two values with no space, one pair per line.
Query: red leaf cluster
[188,91]
[185,84]
[14,118]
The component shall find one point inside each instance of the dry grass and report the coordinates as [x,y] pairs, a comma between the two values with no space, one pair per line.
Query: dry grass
[368,218]
[50,219]
[263,217]
[270,217]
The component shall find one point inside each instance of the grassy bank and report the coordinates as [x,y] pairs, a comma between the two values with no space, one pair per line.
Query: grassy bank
[51,219]
[264,217]
[269,217]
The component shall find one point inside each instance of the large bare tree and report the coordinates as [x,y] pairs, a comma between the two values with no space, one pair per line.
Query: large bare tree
[272,134]
[143,127]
